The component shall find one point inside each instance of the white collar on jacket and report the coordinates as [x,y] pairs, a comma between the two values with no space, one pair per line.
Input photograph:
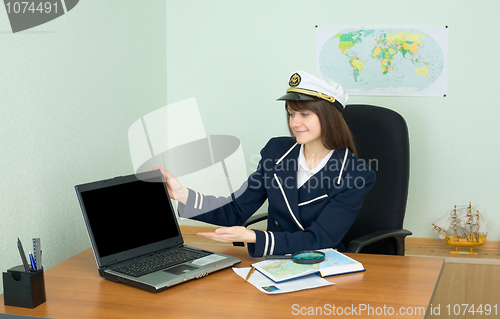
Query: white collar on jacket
[304,172]
[341,169]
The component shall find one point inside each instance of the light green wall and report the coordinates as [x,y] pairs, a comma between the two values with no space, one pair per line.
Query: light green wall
[69,90]
[235,58]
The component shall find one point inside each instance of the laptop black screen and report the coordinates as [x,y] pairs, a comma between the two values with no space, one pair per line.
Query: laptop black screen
[128,215]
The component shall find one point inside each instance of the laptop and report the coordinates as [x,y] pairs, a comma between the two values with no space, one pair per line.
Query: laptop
[135,235]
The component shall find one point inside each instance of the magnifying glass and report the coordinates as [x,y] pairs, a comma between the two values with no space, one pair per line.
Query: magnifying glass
[302,257]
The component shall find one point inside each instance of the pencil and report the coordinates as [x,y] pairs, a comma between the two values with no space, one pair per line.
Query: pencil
[250,273]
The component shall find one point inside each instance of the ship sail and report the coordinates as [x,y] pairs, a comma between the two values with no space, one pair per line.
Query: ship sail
[444,222]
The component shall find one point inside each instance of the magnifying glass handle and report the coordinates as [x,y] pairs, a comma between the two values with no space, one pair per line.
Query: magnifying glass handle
[279,256]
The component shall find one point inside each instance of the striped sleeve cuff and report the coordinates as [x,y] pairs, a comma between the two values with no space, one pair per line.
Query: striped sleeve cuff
[264,244]
[194,205]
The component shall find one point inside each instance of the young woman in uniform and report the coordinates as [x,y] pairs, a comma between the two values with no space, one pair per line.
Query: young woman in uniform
[313,181]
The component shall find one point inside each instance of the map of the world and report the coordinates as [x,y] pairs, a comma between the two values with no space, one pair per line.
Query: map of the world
[384,61]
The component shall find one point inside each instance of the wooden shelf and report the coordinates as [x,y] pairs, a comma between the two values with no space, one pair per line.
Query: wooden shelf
[489,253]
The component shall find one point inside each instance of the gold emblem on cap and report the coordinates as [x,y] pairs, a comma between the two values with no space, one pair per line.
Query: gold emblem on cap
[294,80]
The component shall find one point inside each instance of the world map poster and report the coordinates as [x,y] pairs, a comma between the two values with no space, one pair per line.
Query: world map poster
[391,61]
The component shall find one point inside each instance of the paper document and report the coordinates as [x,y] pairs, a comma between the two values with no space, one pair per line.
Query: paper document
[268,286]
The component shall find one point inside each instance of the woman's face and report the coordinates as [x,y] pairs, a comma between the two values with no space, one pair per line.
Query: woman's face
[305,125]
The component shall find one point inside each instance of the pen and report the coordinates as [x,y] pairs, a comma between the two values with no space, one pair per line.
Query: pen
[250,273]
[23,256]
[33,265]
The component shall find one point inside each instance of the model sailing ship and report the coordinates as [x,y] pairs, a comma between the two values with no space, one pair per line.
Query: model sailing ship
[462,227]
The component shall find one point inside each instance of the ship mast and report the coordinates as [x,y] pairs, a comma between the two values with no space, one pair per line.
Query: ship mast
[469,223]
[454,223]
[476,226]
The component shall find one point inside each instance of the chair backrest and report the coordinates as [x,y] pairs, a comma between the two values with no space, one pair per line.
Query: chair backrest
[381,138]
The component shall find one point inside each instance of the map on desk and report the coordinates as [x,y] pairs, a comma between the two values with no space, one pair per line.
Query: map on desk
[335,263]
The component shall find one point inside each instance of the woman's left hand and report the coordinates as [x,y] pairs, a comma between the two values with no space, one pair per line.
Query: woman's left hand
[231,234]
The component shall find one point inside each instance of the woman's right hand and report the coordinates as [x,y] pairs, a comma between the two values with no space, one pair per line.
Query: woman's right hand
[175,189]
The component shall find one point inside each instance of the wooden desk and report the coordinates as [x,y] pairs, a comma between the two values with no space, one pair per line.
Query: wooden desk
[75,290]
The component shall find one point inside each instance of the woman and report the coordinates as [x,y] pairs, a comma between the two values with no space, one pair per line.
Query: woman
[313,181]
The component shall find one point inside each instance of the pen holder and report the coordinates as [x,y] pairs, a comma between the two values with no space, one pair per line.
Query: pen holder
[23,289]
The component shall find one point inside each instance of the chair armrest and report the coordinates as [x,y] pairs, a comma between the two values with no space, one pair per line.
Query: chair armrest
[255,219]
[357,244]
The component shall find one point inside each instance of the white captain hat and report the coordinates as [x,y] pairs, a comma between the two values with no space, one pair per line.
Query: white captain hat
[307,86]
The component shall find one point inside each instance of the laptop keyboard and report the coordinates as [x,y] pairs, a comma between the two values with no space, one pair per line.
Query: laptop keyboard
[161,260]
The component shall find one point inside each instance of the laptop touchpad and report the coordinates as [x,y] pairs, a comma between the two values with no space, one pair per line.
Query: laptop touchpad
[181,269]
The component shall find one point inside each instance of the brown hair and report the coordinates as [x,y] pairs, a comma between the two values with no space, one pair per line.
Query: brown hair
[335,134]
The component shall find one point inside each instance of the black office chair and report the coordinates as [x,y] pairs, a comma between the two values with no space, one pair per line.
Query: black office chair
[381,138]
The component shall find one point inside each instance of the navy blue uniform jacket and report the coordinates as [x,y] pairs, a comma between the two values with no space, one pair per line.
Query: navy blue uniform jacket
[315,216]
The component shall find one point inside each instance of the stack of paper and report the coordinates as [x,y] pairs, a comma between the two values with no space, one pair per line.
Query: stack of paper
[268,286]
